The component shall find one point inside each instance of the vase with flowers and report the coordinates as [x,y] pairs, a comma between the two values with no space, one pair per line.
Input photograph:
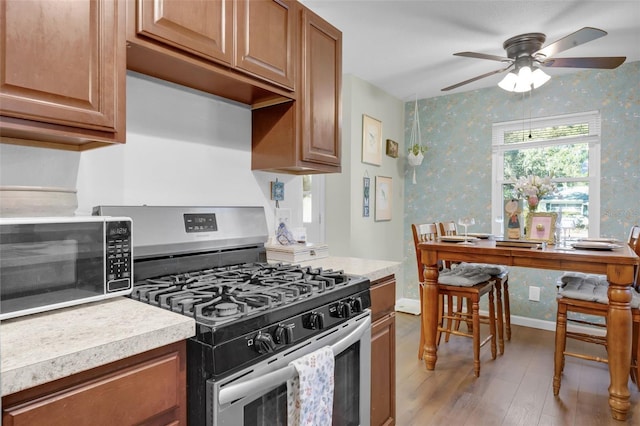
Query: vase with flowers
[533,188]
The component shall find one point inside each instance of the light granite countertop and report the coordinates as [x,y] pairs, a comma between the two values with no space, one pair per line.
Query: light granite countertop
[39,348]
[370,268]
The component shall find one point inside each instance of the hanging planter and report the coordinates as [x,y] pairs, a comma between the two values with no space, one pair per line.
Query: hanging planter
[416,155]
[416,149]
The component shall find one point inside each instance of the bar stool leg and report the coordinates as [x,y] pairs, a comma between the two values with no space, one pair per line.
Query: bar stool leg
[499,317]
[450,316]
[421,345]
[507,309]
[476,336]
[561,341]
[492,324]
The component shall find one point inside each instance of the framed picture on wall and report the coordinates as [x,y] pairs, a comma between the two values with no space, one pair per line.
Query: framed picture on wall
[277,191]
[366,185]
[392,148]
[371,140]
[383,200]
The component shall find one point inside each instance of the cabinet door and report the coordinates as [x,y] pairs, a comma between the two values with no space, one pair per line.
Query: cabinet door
[383,297]
[383,371]
[266,39]
[321,79]
[146,389]
[62,63]
[204,28]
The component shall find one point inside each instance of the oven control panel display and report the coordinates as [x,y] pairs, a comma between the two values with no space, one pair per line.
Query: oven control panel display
[204,222]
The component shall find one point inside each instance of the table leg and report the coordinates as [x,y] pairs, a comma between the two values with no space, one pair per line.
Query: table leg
[619,325]
[430,311]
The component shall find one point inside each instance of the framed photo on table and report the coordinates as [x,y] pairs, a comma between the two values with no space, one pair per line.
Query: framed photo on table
[371,140]
[541,227]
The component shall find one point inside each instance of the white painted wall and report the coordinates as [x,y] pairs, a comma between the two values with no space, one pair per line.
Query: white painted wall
[184,147]
[348,232]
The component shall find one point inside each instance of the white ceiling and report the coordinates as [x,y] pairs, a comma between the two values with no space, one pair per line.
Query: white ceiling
[406,47]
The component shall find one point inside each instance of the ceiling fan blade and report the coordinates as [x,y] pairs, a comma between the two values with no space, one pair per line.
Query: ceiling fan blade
[471,80]
[608,63]
[482,56]
[581,36]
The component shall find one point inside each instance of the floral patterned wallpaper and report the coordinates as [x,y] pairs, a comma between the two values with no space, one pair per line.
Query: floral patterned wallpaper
[455,177]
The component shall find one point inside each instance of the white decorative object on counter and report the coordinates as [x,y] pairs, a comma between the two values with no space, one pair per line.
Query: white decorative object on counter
[36,201]
[296,252]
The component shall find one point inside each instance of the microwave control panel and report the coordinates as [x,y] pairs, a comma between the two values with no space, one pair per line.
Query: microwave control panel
[119,261]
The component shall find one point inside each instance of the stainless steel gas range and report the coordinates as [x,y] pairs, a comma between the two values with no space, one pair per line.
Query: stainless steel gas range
[252,318]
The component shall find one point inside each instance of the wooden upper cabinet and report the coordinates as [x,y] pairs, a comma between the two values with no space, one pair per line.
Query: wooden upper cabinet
[265,37]
[303,137]
[63,71]
[204,28]
[254,37]
[321,85]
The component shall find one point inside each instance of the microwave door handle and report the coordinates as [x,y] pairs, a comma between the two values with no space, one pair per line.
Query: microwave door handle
[269,380]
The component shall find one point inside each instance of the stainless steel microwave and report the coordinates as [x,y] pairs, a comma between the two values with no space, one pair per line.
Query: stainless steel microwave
[50,263]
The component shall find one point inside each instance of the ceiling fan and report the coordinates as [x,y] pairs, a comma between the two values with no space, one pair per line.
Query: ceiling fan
[525,56]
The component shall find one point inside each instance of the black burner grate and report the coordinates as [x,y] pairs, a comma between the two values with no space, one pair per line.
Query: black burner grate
[221,295]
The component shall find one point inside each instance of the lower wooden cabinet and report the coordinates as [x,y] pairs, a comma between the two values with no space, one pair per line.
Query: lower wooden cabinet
[383,352]
[148,389]
[383,371]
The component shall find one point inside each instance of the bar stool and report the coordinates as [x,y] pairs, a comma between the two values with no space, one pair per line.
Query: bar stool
[587,294]
[501,276]
[462,283]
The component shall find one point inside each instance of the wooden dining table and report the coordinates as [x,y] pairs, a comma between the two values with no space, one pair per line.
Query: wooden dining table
[619,265]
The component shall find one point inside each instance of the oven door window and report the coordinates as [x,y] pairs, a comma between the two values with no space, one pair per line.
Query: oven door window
[50,263]
[271,408]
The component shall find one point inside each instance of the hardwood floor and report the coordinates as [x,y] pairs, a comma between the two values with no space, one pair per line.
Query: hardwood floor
[515,389]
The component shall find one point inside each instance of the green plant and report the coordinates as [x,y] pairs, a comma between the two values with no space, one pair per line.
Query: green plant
[418,149]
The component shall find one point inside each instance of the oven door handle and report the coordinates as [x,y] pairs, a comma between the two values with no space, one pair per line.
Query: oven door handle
[260,384]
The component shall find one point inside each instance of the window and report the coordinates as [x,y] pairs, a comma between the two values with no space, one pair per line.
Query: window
[307,199]
[565,147]
[313,207]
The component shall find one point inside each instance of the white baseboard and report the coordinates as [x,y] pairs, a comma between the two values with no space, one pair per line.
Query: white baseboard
[408,306]
[412,306]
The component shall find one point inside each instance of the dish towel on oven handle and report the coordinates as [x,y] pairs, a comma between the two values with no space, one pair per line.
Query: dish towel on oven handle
[310,392]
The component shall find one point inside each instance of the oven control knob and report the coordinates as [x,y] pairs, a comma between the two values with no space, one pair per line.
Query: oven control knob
[343,310]
[316,321]
[356,305]
[283,334]
[263,343]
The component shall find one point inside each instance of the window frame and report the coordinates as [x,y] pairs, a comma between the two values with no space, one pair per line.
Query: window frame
[498,148]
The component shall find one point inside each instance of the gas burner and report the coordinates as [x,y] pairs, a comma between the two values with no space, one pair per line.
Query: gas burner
[226,309]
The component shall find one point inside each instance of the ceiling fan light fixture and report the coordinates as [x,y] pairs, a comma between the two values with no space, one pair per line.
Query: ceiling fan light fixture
[524,80]
[509,81]
[539,77]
